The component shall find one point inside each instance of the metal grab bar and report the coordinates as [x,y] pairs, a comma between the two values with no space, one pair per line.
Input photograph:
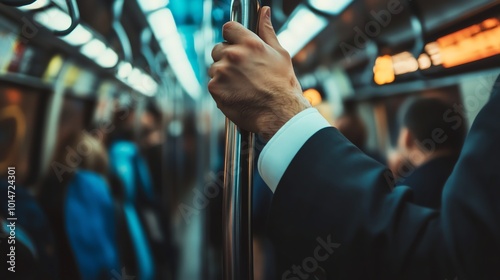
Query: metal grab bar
[238,173]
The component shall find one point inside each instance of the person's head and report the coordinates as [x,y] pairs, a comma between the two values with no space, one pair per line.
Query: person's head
[151,126]
[123,123]
[426,131]
[80,151]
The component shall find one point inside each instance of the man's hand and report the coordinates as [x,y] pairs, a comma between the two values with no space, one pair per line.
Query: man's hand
[253,82]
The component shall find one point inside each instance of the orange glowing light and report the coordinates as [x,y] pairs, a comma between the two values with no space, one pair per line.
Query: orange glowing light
[404,63]
[383,71]
[424,61]
[470,44]
[313,96]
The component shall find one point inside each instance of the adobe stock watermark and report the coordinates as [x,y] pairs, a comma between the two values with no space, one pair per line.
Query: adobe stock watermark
[310,265]
[29,30]
[372,29]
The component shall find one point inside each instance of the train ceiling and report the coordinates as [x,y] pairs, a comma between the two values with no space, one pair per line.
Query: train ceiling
[353,34]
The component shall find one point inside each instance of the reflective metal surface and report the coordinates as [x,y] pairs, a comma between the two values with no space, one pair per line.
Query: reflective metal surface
[238,171]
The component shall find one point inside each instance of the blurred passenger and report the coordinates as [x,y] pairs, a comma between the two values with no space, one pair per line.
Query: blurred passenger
[151,126]
[123,126]
[151,142]
[19,139]
[78,202]
[132,183]
[428,148]
[25,265]
[35,240]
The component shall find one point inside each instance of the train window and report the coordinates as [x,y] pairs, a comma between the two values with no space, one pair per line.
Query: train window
[21,111]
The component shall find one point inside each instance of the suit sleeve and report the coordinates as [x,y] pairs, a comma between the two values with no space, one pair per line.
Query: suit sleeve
[471,198]
[334,211]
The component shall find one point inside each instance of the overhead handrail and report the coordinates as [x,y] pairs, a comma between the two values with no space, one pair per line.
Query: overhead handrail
[17,3]
[120,32]
[74,13]
[147,53]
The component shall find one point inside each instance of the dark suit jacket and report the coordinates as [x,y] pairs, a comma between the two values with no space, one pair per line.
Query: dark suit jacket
[334,213]
[427,181]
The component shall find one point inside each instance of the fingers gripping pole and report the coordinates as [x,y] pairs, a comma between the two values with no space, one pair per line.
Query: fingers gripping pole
[238,172]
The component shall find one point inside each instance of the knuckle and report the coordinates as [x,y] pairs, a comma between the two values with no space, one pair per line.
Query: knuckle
[221,70]
[212,87]
[234,55]
[255,45]
[284,53]
[215,50]
[211,72]
[214,71]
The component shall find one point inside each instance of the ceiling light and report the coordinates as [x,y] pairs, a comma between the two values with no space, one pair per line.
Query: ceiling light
[94,48]
[333,7]
[151,5]
[137,80]
[302,26]
[162,23]
[124,69]
[54,19]
[108,58]
[179,61]
[78,37]
[147,86]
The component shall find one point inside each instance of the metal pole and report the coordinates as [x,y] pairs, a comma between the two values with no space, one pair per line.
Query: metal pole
[238,172]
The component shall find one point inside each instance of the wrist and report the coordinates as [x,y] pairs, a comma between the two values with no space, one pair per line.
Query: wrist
[273,121]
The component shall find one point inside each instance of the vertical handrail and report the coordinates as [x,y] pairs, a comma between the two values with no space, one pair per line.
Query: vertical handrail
[238,172]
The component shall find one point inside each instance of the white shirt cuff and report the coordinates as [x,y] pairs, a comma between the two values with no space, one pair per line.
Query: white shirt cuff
[286,143]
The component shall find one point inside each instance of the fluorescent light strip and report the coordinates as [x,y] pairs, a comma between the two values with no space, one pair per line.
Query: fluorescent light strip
[108,58]
[78,37]
[162,23]
[333,7]
[54,19]
[300,29]
[137,79]
[148,85]
[165,30]
[94,48]
[124,69]
[151,5]
[178,60]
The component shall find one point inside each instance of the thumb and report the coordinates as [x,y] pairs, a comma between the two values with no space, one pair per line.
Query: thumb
[266,29]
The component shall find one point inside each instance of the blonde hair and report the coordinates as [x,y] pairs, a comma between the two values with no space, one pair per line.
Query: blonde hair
[93,154]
